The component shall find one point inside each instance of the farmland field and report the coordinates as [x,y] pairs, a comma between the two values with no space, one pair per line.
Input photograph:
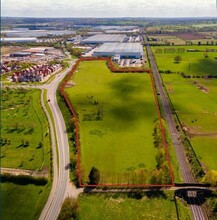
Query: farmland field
[22,201]
[197,112]
[193,63]
[25,140]
[131,206]
[117,115]
[164,39]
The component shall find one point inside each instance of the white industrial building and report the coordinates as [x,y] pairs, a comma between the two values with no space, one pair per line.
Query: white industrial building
[18,40]
[122,50]
[104,38]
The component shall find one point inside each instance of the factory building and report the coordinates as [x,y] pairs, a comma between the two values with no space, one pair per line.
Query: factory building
[20,54]
[104,38]
[122,50]
[18,40]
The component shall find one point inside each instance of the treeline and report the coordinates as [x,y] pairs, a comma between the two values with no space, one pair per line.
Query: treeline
[161,174]
[71,131]
[192,158]
[23,179]
[73,51]
[193,76]
[170,50]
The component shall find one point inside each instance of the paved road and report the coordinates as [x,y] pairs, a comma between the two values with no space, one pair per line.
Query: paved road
[61,182]
[197,211]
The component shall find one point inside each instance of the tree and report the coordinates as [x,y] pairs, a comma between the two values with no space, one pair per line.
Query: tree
[211,177]
[177,59]
[69,209]
[94,176]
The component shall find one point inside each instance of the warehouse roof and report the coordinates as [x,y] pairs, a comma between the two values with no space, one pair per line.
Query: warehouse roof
[101,38]
[21,54]
[120,48]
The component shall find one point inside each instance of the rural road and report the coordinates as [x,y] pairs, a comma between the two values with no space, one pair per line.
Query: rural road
[197,211]
[61,187]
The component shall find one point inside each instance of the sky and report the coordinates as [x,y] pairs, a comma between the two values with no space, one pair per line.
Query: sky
[109,8]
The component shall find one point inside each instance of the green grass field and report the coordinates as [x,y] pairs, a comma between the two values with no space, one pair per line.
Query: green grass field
[166,39]
[22,202]
[205,148]
[193,63]
[24,135]
[117,115]
[195,102]
[114,206]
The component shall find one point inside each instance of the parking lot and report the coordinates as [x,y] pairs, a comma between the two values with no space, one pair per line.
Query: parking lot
[131,62]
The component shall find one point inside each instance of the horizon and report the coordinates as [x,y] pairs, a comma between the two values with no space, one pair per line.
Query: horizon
[193,17]
[117,9]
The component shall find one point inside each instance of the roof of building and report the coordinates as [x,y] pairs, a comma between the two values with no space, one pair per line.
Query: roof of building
[117,48]
[21,53]
[101,38]
[22,39]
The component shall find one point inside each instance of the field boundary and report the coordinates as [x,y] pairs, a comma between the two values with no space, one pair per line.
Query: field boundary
[77,130]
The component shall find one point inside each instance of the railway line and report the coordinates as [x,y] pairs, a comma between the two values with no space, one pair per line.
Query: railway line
[197,211]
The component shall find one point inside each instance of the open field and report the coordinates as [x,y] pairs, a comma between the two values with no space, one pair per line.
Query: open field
[11,49]
[204,25]
[24,135]
[190,36]
[131,206]
[22,202]
[117,115]
[197,111]
[193,63]
[164,39]
[205,148]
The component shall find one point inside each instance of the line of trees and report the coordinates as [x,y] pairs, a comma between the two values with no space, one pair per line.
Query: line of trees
[23,179]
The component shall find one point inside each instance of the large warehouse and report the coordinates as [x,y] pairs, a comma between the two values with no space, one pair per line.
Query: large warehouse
[124,50]
[104,38]
[18,40]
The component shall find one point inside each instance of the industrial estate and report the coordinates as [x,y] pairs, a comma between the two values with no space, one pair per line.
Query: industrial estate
[108,119]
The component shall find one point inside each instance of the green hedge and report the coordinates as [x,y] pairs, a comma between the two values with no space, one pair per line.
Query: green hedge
[23,179]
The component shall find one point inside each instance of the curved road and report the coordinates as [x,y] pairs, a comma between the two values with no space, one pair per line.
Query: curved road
[197,211]
[61,178]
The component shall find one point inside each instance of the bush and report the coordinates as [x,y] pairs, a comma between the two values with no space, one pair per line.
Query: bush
[94,176]
[23,179]
[69,209]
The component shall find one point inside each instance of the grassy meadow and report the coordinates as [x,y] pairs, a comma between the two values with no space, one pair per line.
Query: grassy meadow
[131,206]
[25,140]
[166,39]
[117,115]
[195,103]
[193,63]
[22,201]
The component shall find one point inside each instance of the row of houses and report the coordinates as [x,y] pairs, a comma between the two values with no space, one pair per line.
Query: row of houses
[35,73]
[9,66]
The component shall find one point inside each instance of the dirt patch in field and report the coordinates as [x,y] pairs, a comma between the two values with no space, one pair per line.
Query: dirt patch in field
[16,172]
[213,134]
[70,84]
[190,36]
[200,87]
[11,49]
[195,132]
